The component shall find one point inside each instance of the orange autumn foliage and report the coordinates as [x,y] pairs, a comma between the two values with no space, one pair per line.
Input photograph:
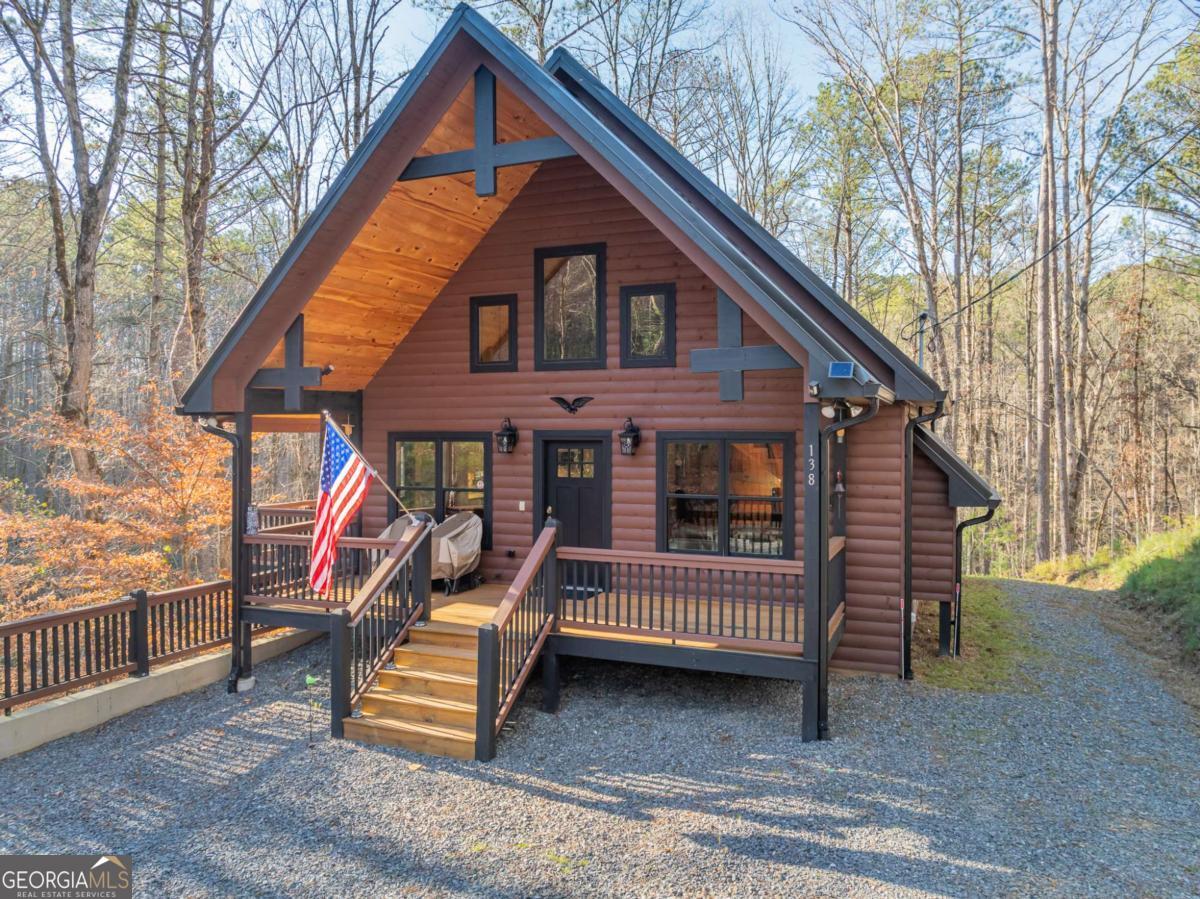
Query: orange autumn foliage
[151,522]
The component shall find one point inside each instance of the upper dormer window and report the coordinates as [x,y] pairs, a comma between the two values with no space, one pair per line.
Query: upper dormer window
[569,307]
[494,333]
[648,326]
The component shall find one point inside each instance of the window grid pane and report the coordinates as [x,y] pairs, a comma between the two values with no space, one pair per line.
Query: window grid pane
[647,325]
[570,308]
[493,333]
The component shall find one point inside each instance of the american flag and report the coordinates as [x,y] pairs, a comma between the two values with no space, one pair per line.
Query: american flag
[345,478]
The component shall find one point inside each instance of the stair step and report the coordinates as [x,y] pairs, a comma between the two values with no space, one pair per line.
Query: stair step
[445,633]
[435,739]
[435,656]
[419,707]
[446,684]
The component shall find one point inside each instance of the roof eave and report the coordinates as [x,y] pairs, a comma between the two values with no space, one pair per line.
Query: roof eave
[910,382]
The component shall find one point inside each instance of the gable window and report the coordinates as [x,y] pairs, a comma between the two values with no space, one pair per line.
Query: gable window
[648,326]
[443,474]
[726,495]
[569,307]
[494,333]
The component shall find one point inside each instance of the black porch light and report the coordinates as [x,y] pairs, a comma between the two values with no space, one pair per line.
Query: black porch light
[506,437]
[630,437]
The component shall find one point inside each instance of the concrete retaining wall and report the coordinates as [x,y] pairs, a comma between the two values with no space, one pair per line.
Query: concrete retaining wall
[31,727]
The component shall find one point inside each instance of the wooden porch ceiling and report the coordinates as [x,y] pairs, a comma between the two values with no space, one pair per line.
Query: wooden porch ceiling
[412,244]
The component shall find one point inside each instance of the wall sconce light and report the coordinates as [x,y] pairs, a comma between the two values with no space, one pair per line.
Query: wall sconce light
[630,437]
[506,437]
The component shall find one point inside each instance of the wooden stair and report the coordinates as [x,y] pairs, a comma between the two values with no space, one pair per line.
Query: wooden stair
[427,703]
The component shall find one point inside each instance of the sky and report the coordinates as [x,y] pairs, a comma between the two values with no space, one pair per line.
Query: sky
[412,30]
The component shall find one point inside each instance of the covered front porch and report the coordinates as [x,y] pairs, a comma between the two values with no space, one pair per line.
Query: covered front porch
[441,672]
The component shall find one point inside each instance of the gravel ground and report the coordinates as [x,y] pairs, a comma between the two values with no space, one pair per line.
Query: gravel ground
[652,782]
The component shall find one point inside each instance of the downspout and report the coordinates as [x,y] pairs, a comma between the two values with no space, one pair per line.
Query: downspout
[907,610]
[236,528]
[958,533]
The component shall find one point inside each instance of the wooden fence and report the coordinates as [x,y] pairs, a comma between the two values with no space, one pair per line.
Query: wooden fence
[61,651]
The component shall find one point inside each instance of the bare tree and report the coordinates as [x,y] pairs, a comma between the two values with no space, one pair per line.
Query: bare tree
[55,78]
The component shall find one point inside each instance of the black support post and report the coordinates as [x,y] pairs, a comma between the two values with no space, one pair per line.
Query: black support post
[487,695]
[339,671]
[422,571]
[240,563]
[141,632]
[814,723]
[550,674]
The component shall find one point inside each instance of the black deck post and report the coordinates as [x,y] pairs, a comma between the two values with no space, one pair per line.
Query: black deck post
[550,674]
[814,723]
[339,670]
[487,695]
[240,563]
[422,571]
[141,632]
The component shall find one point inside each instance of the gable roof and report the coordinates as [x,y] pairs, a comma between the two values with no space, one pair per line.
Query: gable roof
[967,488]
[910,381]
[466,41]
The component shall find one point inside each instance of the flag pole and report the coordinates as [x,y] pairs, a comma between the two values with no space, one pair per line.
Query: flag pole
[371,468]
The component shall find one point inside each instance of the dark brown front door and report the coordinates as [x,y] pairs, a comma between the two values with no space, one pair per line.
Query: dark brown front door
[577,488]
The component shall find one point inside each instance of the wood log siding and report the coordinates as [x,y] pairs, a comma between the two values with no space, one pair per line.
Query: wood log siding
[874,543]
[933,522]
[426,386]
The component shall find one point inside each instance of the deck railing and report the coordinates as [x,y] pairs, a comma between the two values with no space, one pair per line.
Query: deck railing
[364,634]
[287,518]
[279,568]
[510,643]
[61,651]
[751,601]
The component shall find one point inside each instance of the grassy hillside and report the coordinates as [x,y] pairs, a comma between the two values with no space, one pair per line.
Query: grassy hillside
[1160,576]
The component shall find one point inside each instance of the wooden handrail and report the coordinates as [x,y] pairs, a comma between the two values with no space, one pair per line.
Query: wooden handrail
[793,567]
[271,539]
[53,619]
[292,527]
[189,592]
[524,578]
[381,575]
[295,505]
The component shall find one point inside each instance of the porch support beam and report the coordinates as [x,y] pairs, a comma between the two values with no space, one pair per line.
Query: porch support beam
[730,359]
[815,720]
[240,563]
[294,375]
[487,155]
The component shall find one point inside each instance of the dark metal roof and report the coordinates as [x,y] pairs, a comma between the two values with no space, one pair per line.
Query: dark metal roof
[821,346]
[967,488]
[911,382]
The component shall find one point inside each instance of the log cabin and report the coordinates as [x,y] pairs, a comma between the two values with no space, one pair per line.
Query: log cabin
[685,449]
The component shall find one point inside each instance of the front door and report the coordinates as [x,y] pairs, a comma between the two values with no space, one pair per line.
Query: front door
[577,488]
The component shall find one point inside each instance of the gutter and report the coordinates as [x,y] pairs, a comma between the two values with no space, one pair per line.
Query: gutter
[907,610]
[958,535]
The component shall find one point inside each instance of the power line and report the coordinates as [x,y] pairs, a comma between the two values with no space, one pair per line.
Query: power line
[1066,237]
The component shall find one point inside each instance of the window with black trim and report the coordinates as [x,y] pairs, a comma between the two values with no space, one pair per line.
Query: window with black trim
[730,495]
[569,316]
[443,474]
[648,326]
[494,333]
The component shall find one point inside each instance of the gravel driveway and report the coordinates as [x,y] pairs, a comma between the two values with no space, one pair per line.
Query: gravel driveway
[653,782]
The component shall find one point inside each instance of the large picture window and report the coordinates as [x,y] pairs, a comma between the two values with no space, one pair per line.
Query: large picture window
[726,495]
[443,474]
[569,307]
